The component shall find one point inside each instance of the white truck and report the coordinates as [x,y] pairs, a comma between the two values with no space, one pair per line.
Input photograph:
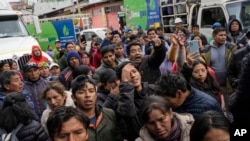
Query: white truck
[15,41]
[204,13]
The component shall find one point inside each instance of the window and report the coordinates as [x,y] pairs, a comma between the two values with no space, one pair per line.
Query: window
[212,15]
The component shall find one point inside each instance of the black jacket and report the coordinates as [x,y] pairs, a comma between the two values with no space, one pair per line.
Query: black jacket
[149,67]
[32,132]
[234,67]
[106,99]
[241,103]
[129,104]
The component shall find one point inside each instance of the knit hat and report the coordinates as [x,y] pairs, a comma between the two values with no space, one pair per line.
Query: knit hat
[73,54]
[216,24]
[138,27]
[108,75]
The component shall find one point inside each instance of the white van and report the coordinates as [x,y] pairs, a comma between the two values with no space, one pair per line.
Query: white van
[100,32]
[16,43]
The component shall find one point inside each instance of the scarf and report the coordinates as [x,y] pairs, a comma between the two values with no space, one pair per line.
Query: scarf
[175,131]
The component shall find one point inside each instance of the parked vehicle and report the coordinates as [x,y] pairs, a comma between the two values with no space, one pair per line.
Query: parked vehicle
[16,42]
[204,13]
[100,32]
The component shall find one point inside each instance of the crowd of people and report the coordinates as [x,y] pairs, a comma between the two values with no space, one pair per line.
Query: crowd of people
[132,86]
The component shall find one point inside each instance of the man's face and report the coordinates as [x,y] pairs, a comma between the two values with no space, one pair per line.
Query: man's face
[16,84]
[195,30]
[33,74]
[73,62]
[178,25]
[44,72]
[135,76]
[85,97]
[116,38]
[37,52]
[108,35]
[55,71]
[58,45]
[135,54]
[109,59]
[72,130]
[151,34]
[235,26]
[176,101]
[70,47]
[119,51]
[220,38]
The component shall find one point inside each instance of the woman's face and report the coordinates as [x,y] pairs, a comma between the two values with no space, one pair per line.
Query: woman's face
[182,35]
[54,99]
[85,59]
[216,134]
[199,73]
[6,67]
[159,124]
[14,66]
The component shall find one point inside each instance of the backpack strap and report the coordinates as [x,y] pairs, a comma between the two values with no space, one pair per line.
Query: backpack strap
[14,131]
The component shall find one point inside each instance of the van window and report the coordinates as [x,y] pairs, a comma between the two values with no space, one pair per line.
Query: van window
[212,15]
[88,35]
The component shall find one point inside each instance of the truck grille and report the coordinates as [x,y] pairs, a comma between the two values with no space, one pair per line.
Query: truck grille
[21,60]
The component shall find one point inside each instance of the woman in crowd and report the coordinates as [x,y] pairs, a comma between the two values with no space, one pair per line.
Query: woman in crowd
[16,113]
[55,95]
[210,126]
[82,70]
[161,123]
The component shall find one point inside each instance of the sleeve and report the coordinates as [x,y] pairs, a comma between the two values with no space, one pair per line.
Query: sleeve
[172,53]
[232,72]
[41,134]
[110,101]
[181,58]
[158,56]
[186,72]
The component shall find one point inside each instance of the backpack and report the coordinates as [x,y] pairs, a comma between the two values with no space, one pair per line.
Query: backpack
[10,136]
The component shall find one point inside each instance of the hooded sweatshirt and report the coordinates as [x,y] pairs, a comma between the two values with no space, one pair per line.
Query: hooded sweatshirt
[37,59]
[234,37]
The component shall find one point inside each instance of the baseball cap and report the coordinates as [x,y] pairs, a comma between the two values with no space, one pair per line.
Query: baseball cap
[57,41]
[138,27]
[43,64]
[53,65]
[29,65]
[177,20]
[216,24]
[108,75]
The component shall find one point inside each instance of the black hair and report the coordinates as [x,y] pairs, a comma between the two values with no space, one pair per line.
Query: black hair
[207,121]
[151,29]
[11,62]
[6,76]
[218,29]
[118,44]
[195,25]
[80,70]
[79,82]
[151,103]
[107,49]
[62,114]
[159,29]
[169,83]
[195,36]
[133,37]
[94,35]
[119,68]
[130,45]
[2,63]
[68,44]
[15,110]
[182,30]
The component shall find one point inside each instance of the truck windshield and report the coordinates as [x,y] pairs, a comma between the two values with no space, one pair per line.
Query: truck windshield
[12,26]
[240,11]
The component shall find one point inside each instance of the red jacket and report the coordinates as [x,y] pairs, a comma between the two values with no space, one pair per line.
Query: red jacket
[37,59]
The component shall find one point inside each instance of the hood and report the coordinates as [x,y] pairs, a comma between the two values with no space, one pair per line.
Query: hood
[15,47]
[33,55]
[229,24]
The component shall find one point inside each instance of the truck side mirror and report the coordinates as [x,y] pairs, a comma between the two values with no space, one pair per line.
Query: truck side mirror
[37,24]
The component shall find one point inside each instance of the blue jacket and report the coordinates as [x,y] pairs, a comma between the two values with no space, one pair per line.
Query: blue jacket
[35,89]
[198,102]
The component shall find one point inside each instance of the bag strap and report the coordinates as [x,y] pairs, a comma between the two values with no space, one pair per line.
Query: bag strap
[14,131]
